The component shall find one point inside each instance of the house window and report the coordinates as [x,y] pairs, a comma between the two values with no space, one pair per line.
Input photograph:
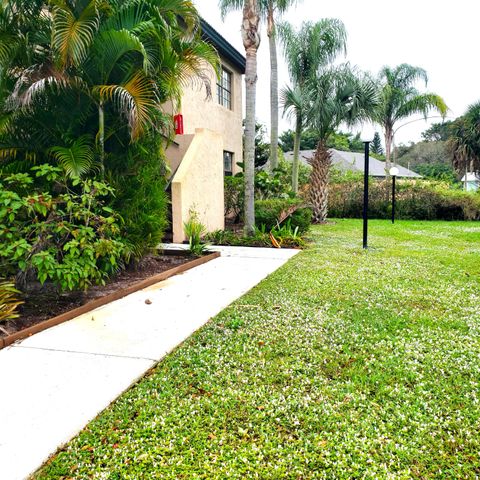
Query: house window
[224,89]
[228,163]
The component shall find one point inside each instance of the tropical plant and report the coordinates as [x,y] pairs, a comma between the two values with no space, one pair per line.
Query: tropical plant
[82,87]
[195,232]
[313,46]
[464,141]
[338,94]
[120,61]
[9,301]
[399,99]
[268,10]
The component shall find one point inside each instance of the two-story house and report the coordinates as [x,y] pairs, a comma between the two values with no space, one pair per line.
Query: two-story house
[211,144]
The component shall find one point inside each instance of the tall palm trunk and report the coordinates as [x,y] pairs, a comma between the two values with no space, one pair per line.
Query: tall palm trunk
[251,42]
[272,39]
[296,152]
[319,182]
[388,149]
[101,136]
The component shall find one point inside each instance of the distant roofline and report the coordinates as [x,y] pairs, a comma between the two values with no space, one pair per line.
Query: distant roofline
[224,48]
[404,172]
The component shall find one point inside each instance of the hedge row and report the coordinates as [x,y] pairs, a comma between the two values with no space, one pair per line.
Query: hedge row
[415,200]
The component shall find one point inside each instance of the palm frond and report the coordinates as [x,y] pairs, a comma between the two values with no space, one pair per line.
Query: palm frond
[292,100]
[77,159]
[313,46]
[227,6]
[108,50]
[72,34]
[423,104]
[134,100]
[339,94]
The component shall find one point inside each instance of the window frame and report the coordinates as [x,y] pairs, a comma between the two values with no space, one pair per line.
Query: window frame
[225,89]
[226,172]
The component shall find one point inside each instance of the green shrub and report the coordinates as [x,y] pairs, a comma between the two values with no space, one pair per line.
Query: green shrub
[62,232]
[138,177]
[234,197]
[415,200]
[268,185]
[270,213]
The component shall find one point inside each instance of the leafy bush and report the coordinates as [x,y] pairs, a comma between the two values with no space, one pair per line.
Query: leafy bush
[267,186]
[8,301]
[270,214]
[138,177]
[61,232]
[234,197]
[273,185]
[415,200]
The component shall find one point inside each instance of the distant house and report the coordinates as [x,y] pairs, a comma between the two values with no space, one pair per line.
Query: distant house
[471,181]
[354,162]
[211,143]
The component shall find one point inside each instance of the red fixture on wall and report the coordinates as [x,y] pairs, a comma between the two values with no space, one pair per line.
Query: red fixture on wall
[178,122]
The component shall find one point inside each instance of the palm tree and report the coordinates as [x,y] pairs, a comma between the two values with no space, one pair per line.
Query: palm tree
[119,61]
[335,95]
[464,141]
[252,11]
[399,99]
[313,46]
[268,10]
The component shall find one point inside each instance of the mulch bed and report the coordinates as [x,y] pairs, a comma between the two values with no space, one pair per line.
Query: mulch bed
[44,302]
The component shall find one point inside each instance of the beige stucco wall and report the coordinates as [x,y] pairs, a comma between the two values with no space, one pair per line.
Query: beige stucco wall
[201,112]
[198,184]
[177,150]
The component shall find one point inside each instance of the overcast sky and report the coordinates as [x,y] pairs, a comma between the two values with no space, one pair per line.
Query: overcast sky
[439,35]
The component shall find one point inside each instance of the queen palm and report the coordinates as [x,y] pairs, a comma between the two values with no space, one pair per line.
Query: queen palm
[400,99]
[252,11]
[268,10]
[335,95]
[307,50]
[120,60]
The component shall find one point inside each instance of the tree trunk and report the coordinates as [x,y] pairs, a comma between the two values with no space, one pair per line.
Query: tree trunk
[388,149]
[272,38]
[296,152]
[319,182]
[101,137]
[251,42]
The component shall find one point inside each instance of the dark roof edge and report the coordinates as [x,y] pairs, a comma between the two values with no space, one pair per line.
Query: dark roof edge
[224,48]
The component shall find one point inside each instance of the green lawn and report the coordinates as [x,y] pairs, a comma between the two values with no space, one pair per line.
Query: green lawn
[344,364]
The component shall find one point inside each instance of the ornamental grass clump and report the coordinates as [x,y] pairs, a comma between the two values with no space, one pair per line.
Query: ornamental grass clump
[9,301]
[195,232]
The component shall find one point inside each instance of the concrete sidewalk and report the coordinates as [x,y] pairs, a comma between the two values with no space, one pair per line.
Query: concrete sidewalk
[54,383]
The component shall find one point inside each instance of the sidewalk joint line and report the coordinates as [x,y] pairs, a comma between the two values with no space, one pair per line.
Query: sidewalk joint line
[85,353]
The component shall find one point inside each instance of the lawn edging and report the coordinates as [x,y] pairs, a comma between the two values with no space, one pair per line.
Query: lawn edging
[100,302]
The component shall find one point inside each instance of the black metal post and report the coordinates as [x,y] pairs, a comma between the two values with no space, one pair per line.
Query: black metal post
[365,194]
[393,198]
